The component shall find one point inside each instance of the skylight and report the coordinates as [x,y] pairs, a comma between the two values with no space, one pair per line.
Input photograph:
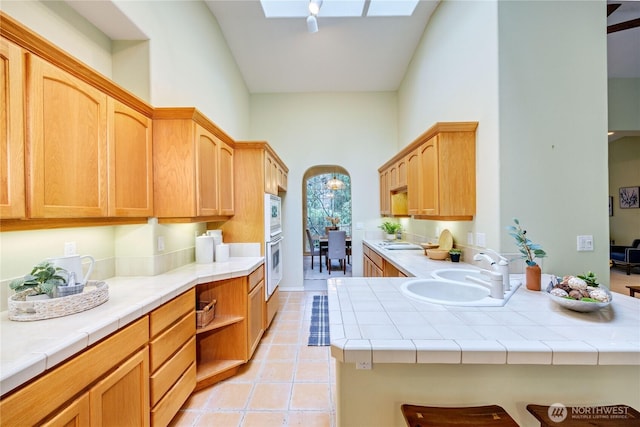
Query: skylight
[338,8]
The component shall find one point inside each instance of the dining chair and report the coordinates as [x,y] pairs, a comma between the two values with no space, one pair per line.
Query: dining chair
[337,249]
[314,251]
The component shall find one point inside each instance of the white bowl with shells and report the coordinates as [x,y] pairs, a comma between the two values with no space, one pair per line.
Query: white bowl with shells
[575,295]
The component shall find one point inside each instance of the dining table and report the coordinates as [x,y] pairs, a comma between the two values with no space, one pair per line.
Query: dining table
[323,247]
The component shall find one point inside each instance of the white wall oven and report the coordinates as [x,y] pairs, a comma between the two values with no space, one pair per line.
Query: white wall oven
[273,242]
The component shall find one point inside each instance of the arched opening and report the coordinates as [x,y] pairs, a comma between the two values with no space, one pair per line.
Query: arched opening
[326,204]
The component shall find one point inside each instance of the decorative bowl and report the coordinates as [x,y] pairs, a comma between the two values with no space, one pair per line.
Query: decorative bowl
[577,305]
[437,254]
[429,245]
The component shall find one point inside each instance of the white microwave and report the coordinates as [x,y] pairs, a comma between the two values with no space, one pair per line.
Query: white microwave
[273,216]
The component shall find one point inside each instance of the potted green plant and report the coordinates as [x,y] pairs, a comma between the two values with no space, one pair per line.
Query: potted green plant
[43,280]
[391,229]
[529,251]
[454,254]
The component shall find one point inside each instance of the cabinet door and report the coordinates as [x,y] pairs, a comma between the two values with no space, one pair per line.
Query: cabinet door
[122,398]
[207,146]
[385,194]
[67,146]
[402,172]
[270,178]
[12,143]
[226,180]
[131,162]
[413,183]
[75,414]
[429,203]
[255,322]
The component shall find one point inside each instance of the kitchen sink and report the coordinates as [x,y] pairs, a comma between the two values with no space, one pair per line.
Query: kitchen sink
[445,292]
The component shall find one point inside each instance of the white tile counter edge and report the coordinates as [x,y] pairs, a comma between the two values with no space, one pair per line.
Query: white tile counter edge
[540,332]
[49,342]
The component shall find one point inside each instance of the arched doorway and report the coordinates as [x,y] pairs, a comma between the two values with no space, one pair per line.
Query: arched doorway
[325,203]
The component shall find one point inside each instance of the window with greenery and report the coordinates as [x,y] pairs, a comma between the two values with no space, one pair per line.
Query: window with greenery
[327,207]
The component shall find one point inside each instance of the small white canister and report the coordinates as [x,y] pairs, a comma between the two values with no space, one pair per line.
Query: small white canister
[204,249]
[222,252]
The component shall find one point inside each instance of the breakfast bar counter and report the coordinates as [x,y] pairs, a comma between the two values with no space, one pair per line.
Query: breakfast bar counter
[391,349]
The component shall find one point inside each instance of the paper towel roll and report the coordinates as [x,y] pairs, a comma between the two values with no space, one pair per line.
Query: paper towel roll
[204,249]
[222,252]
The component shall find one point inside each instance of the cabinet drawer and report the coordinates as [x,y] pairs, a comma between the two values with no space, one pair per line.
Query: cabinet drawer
[165,377]
[162,317]
[167,343]
[375,258]
[256,277]
[163,412]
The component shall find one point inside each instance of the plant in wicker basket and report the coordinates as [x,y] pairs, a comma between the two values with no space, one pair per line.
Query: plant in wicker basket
[43,279]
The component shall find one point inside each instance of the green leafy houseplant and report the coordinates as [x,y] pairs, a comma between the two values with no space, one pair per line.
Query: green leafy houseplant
[454,251]
[528,249]
[43,279]
[391,227]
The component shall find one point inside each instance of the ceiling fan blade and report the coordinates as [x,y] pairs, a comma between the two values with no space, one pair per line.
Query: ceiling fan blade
[611,7]
[623,26]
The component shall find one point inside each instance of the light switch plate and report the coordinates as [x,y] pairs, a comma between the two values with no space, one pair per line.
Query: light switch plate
[69,248]
[481,240]
[469,238]
[585,243]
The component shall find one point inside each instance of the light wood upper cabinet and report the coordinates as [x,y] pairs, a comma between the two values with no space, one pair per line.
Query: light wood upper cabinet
[193,166]
[385,195]
[440,173]
[429,201]
[275,178]
[413,182]
[12,142]
[67,144]
[227,206]
[131,162]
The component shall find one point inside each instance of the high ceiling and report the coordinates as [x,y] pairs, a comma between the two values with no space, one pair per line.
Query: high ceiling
[346,54]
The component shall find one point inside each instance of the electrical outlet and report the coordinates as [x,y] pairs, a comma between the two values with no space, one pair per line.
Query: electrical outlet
[363,365]
[481,240]
[585,243]
[359,226]
[160,243]
[469,238]
[69,248]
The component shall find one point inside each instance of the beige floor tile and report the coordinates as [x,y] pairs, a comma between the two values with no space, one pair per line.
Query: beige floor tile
[312,371]
[248,372]
[282,352]
[310,396]
[197,400]
[288,326]
[184,419]
[264,419]
[273,396]
[286,338]
[314,353]
[309,419]
[226,419]
[277,371]
[228,395]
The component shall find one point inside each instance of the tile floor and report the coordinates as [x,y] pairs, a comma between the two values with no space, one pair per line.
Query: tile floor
[287,383]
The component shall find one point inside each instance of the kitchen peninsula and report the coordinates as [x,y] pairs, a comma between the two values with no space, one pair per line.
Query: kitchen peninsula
[392,350]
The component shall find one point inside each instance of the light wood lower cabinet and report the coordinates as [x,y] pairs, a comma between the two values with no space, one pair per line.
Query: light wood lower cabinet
[122,398]
[372,263]
[50,396]
[255,309]
[172,350]
[75,414]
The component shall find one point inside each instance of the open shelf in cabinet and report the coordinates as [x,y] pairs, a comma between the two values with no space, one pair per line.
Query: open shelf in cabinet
[221,346]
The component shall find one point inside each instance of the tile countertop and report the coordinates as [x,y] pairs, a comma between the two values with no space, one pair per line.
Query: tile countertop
[29,348]
[371,321]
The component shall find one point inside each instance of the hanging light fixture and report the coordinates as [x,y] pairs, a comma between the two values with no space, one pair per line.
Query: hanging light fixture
[335,184]
[312,20]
